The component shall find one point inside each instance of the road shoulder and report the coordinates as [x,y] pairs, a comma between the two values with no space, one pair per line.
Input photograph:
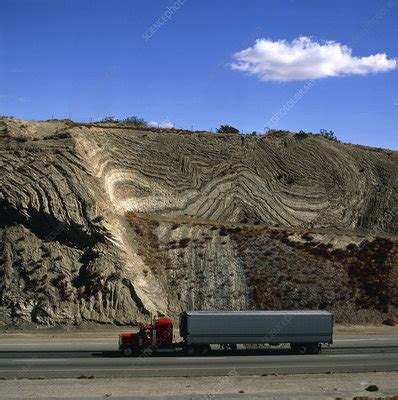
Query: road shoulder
[270,386]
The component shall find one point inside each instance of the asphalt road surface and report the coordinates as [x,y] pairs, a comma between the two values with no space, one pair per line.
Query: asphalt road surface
[85,358]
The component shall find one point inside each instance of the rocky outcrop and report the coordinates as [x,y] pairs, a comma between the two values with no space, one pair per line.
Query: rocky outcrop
[106,223]
[272,179]
[239,266]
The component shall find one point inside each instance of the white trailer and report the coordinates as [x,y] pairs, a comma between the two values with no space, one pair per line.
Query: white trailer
[305,331]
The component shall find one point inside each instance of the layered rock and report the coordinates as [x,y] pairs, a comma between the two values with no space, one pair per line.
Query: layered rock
[106,223]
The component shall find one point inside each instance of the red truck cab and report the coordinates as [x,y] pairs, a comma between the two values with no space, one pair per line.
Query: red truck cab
[152,337]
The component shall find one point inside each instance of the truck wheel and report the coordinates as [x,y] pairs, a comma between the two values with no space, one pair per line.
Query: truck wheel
[147,352]
[127,351]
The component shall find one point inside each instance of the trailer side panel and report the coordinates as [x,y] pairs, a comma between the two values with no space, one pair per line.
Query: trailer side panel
[236,327]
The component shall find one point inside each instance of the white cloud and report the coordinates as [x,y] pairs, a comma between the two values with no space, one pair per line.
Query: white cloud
[164,124]
[303,58]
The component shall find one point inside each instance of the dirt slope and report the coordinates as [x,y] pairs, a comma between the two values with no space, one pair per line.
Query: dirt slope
[110,224]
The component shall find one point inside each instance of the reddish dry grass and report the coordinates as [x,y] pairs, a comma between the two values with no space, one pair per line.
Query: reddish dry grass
[364,275]
[372,267]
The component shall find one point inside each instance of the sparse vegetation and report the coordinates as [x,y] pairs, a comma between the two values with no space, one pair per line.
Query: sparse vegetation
[328,135]
[136,121]
[275,132]
[109,119]
[301,135]
[227,129]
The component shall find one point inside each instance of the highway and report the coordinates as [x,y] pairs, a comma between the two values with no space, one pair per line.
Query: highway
[98,357]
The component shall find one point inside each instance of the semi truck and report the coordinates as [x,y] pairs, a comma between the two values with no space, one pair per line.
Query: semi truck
[305,332]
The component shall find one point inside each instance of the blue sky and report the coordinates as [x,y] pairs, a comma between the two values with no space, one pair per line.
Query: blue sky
[90,59]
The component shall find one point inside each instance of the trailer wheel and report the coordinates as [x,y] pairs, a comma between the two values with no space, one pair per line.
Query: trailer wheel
[204,350]
[314,348]
[127,351]
[302,349]
[190,350]
[299,348]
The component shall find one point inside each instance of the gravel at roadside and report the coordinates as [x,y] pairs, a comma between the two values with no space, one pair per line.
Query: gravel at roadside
[330,386]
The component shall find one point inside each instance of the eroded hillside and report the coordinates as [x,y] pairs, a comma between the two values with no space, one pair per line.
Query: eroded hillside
[106,223]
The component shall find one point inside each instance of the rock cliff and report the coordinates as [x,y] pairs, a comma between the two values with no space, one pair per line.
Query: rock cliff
[109,223]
